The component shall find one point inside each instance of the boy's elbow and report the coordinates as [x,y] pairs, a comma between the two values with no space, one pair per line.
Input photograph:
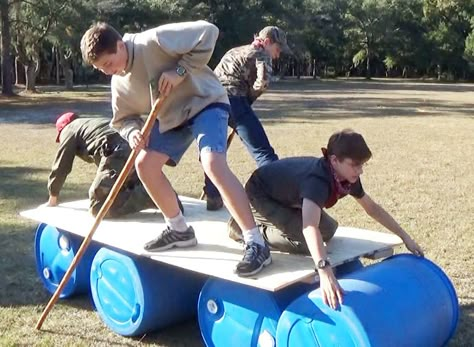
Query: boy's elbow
[210,28]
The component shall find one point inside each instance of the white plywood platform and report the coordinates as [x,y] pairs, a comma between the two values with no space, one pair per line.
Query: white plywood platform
[215,254]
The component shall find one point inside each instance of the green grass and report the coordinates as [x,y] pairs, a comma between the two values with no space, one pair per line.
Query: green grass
[421,171]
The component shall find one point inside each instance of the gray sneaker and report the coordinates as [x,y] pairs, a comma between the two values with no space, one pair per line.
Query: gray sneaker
[256,257]
[171,238]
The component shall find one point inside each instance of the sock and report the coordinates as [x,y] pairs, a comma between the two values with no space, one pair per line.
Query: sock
[254,235]
[177,223]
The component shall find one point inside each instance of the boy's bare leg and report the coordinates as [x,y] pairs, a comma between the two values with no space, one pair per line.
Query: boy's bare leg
[256,253]
[215,166]
[149,166]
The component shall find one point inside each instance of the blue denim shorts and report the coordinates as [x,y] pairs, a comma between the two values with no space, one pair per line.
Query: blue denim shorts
[208,128]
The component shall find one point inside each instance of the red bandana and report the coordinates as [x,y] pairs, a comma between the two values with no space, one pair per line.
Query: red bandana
[258,43]
[339,188]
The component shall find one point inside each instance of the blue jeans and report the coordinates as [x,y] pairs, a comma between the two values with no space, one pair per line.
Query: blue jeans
[247,125]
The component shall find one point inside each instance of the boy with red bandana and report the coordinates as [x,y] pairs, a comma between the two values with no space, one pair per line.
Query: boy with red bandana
[288,197]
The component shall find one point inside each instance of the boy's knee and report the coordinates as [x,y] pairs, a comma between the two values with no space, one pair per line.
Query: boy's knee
[214,164]
[148,162]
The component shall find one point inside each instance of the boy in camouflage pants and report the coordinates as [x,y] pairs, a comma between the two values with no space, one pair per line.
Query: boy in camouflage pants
[245,73]
[94,141]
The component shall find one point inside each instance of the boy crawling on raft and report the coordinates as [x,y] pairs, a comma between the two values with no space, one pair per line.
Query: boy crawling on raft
[288,197]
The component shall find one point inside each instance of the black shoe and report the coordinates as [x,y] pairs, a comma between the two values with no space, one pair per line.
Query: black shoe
[172,238]
[256,257]
[214,203]
[235,233]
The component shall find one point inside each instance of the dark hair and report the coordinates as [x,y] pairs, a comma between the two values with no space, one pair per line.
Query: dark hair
[349,144]
[100,38]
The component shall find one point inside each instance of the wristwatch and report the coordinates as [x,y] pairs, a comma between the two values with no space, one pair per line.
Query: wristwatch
[322,264]
[180,70]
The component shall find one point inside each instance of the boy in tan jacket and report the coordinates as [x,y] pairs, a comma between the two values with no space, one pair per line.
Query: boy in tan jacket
[172,60]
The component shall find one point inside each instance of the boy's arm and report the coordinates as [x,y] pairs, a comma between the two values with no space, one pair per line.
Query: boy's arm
[376,211]
[331,291]
[194,42]
[61,168]
[264,73]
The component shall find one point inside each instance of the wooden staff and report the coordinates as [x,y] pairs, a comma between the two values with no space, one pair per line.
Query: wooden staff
[146,130]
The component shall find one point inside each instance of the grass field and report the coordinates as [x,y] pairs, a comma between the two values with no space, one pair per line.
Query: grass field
[421,135]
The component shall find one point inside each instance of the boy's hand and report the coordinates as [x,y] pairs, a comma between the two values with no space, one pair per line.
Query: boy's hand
[331,291]
[168,81]
[136,140]
[413,247]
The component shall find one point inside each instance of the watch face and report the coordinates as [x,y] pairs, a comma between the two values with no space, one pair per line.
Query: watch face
[180,70]
[323,263]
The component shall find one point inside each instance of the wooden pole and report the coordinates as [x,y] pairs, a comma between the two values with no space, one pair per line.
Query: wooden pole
[146,130]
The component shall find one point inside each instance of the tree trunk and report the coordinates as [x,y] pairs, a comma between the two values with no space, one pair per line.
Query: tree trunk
[58,65]
[7,66]
[367,73]
[31,71]
[68,79]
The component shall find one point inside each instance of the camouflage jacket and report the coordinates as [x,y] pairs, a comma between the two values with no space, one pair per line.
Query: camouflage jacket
[245,71]
[84,138]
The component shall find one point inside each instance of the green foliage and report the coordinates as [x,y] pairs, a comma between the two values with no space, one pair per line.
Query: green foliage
[423,36]
[469,51]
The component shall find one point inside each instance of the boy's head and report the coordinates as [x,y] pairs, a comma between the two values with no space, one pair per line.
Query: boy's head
[102,47]
[63,120]
[274,40]
[348,152]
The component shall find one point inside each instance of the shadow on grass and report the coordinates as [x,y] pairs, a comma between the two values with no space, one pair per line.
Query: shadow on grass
[378,84]
[169,336]
[20,189]
[463,334]
[317,109]
[20,283]
[311,100]
[173,335]
[18,183]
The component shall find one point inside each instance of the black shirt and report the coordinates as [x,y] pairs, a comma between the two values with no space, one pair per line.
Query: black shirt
[291,180]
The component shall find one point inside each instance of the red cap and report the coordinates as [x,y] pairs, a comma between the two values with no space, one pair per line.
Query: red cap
[64,120]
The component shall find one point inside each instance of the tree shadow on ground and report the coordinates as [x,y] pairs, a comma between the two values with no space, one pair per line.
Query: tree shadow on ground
[20,283]
[465,326]
[19,186]
[379,85]
[20,189]
[328,109]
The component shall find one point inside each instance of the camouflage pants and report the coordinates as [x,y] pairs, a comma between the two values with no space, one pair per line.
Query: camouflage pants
[282,225]
[132,197]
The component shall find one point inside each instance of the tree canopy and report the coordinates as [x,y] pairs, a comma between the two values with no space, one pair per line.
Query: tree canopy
[403,38]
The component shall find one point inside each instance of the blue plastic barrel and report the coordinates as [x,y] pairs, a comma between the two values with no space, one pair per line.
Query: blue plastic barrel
[233,314]
[135,295]
[403,301]
[54,251]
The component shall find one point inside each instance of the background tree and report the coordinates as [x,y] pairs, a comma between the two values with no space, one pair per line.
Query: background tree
[7,65]
[32,25]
